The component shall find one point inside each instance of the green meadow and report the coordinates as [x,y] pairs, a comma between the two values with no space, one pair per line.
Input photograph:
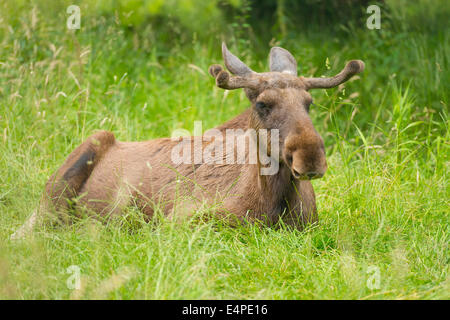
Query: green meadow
[139,69]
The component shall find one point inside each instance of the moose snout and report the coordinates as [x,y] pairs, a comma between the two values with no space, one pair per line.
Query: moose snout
[306,161]
[306,176]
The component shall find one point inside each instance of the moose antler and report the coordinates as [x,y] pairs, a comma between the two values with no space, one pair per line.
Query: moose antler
[282,61]
[244,77]
[226,81]
[353,67]
[234,64]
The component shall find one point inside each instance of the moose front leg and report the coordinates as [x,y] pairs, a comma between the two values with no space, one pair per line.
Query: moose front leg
[301,206]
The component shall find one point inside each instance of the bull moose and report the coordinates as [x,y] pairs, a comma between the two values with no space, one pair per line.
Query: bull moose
[103,176]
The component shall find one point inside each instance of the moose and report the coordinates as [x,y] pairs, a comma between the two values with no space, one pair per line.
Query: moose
[104,176]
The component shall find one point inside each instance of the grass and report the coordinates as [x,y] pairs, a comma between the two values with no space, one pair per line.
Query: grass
[383,204]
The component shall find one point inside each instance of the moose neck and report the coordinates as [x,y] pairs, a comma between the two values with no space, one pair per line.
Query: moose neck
[270,192]
[263,193]
[274,189]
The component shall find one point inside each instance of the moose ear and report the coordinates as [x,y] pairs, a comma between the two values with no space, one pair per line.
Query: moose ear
[282,60]
[233,63]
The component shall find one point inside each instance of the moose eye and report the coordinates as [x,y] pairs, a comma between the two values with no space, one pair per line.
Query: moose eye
[308,104]
[260,105]
[262,109]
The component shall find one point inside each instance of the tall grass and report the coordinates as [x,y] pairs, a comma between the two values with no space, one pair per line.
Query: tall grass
[383,204]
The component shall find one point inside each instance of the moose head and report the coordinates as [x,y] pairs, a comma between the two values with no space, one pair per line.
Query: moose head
[280,100]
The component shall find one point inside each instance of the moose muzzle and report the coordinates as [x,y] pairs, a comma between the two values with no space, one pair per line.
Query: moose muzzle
[305,156]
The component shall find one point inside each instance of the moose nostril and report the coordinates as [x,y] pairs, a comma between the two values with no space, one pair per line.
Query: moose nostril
[311,174]
[314,175]
[296,174]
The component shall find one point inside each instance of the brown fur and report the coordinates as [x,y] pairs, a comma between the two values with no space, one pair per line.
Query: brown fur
[104,175]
